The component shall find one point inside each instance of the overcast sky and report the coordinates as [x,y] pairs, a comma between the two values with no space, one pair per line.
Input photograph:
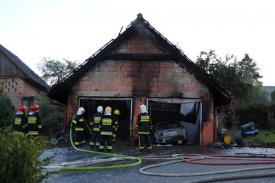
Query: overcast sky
[75,29]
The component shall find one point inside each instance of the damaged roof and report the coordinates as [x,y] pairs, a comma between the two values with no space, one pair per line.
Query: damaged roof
[29,76]
[60,90]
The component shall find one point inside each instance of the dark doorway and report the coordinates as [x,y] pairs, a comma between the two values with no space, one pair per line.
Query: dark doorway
[123,105]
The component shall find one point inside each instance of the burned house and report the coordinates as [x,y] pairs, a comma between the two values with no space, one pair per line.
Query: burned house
[18,81]
[139,67]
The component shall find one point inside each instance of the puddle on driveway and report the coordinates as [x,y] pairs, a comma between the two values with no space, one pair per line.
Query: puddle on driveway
[250,150]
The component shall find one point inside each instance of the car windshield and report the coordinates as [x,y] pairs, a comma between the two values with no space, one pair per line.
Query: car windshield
[168,126]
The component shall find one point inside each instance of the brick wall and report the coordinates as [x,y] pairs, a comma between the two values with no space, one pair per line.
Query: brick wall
[128,78]
[142,41]
[141,79]
[138,78]
[208,127]
[16,89]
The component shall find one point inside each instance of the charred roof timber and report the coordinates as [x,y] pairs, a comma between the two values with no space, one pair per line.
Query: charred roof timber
[222,97]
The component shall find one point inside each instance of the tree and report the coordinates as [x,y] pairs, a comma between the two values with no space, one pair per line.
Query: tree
[270,119]
[53,71]
[240,77]
[273,96]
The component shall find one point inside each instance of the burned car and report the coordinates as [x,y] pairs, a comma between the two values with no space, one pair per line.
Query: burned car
[170,133]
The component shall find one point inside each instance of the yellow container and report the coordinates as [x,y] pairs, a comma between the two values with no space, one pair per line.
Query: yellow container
[227,139]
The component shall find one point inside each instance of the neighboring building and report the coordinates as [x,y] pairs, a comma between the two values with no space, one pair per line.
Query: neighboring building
[17,80]
[142,66]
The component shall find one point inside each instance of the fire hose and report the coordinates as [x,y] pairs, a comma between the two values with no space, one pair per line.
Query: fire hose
[85,166]
[196,159]
[176,158]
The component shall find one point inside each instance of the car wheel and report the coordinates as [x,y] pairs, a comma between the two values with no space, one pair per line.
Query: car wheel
[179,142]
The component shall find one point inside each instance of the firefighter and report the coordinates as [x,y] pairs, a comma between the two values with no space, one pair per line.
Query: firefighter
[20,120]
[116,119]
[79,126]
[95,127]
[106,130]
[34,122]
[144,127]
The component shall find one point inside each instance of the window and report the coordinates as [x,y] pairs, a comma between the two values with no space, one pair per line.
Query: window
[27,101]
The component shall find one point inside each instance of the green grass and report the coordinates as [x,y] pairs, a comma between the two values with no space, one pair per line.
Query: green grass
[264,136]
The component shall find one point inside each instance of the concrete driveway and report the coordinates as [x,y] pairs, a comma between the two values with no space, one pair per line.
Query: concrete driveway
[132,175]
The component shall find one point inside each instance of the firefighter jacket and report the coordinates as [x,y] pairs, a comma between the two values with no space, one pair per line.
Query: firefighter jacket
[19,122]
[79,123]
[96,122]
[107,125]
[34,123]
[144,123]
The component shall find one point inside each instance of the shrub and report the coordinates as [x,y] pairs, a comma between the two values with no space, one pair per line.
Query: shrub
[228,118]
[6,112]
[261,114]
[52,115]
[19,158]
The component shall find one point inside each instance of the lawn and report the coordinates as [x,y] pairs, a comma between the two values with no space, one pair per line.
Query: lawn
[264,136]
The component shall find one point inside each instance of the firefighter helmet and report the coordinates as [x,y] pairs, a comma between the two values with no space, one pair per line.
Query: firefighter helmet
[143,108]
[117,112]
[100,109]
[108,110]
[80,111]
[21,108]
[34,107]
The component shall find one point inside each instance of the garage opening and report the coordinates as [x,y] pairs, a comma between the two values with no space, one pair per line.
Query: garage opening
[122,104]
[187,112]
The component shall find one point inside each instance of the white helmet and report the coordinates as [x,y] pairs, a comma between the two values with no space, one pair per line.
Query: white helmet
[80,111]
[143,108]
[99,109]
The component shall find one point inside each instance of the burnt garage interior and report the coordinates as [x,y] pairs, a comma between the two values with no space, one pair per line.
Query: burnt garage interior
[122,104]
[140,66]
[187,112]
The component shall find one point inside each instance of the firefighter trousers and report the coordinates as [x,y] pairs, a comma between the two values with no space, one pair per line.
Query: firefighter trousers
[79,137]
[95,138]
[106,141]
[145,141]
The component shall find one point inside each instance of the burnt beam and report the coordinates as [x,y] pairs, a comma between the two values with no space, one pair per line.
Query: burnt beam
[131,56]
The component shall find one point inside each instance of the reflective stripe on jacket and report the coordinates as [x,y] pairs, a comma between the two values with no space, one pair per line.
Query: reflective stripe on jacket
[107,125]
[79,122]
[96,121]
[19,122]
[34,123]
[144,123]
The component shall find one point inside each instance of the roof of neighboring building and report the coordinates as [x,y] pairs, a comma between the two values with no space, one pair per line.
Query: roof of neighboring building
[61,89]
[30,76]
